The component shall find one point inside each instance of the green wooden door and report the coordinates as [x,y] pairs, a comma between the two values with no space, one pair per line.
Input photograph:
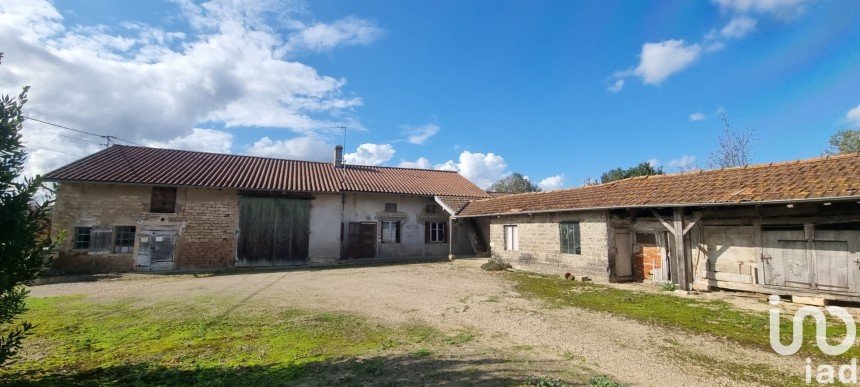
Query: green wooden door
[273,231]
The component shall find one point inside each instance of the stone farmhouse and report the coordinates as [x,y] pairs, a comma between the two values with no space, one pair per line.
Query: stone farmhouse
[788,228]
[135,208]
[784,228]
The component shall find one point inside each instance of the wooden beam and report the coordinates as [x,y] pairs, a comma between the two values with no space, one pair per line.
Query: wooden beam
[665,223]
[682,267]
[696,218]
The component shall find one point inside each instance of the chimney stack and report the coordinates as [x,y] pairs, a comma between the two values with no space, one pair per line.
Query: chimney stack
[338,156]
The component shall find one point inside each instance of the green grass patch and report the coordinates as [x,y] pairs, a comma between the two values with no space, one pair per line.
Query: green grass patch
[716,318]
[219,342]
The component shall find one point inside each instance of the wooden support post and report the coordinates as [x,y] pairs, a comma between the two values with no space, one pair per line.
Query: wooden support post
[450,238]
[679,258]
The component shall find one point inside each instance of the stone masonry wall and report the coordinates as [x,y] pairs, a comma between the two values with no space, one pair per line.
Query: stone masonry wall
[208,237]
[540,247]
[205,222]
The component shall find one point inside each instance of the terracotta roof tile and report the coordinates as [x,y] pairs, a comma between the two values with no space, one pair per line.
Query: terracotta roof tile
[153,166]
[820,178]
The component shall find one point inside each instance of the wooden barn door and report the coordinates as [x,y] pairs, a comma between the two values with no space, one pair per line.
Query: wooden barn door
[273,231]
[361,241]
[787,261]
[623,256]
[837,260]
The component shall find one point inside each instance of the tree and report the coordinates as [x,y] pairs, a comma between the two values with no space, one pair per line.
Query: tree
[515,183]
[22,221]
[844,141]
[643,169]
[734,149]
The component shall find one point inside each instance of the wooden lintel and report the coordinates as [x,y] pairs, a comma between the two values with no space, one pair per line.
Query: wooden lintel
[665,223]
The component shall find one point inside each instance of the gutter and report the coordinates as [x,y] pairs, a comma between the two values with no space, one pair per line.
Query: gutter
[676,205]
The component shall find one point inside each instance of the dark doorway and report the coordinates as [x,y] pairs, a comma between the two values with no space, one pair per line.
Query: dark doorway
[361,241]
[273,231]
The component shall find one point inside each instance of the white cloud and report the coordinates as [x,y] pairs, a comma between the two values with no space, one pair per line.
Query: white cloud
[482,169]
[779,8]
[660,60]
[685,162]
[150,85]
[697,116]
[421,163]
[204,140]
[345,32]
[309,147]
[552,182]
[738,27]
[419,134]
[370,154]
[853,116]
[654,162]
[617,86]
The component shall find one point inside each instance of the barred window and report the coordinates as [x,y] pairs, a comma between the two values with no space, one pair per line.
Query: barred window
[123,239]
[569,237]
[82,237]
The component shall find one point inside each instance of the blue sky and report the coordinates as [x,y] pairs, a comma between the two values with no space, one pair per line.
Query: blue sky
[558,91]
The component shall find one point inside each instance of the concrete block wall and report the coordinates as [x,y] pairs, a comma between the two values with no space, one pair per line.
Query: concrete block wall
[540,246]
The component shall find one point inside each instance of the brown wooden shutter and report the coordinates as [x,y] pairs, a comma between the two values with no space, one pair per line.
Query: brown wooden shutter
[397,232]
[444,232]
[426,232]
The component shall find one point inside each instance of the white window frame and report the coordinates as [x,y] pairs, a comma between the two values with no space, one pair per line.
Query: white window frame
[512,237]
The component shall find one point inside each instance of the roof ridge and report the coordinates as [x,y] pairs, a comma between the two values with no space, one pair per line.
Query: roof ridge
[272,158]
[683,173]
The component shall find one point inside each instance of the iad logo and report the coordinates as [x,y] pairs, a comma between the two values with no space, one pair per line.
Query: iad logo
[820,329]
[824,373]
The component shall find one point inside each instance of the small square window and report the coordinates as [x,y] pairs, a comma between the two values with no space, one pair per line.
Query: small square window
[123,239]
[431,209]
[390,207]
[163,200]
[82,238]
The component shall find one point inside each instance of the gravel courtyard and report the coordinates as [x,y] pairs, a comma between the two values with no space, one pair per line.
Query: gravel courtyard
[459,296]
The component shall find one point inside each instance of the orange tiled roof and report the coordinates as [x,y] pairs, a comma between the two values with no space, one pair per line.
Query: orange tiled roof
[169,167]
[831,177]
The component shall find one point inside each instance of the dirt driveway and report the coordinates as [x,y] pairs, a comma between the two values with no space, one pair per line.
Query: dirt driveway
[459,296]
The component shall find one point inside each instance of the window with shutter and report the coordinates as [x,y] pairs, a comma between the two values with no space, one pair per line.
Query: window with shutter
[390,207]
[390,232]
[163,200]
